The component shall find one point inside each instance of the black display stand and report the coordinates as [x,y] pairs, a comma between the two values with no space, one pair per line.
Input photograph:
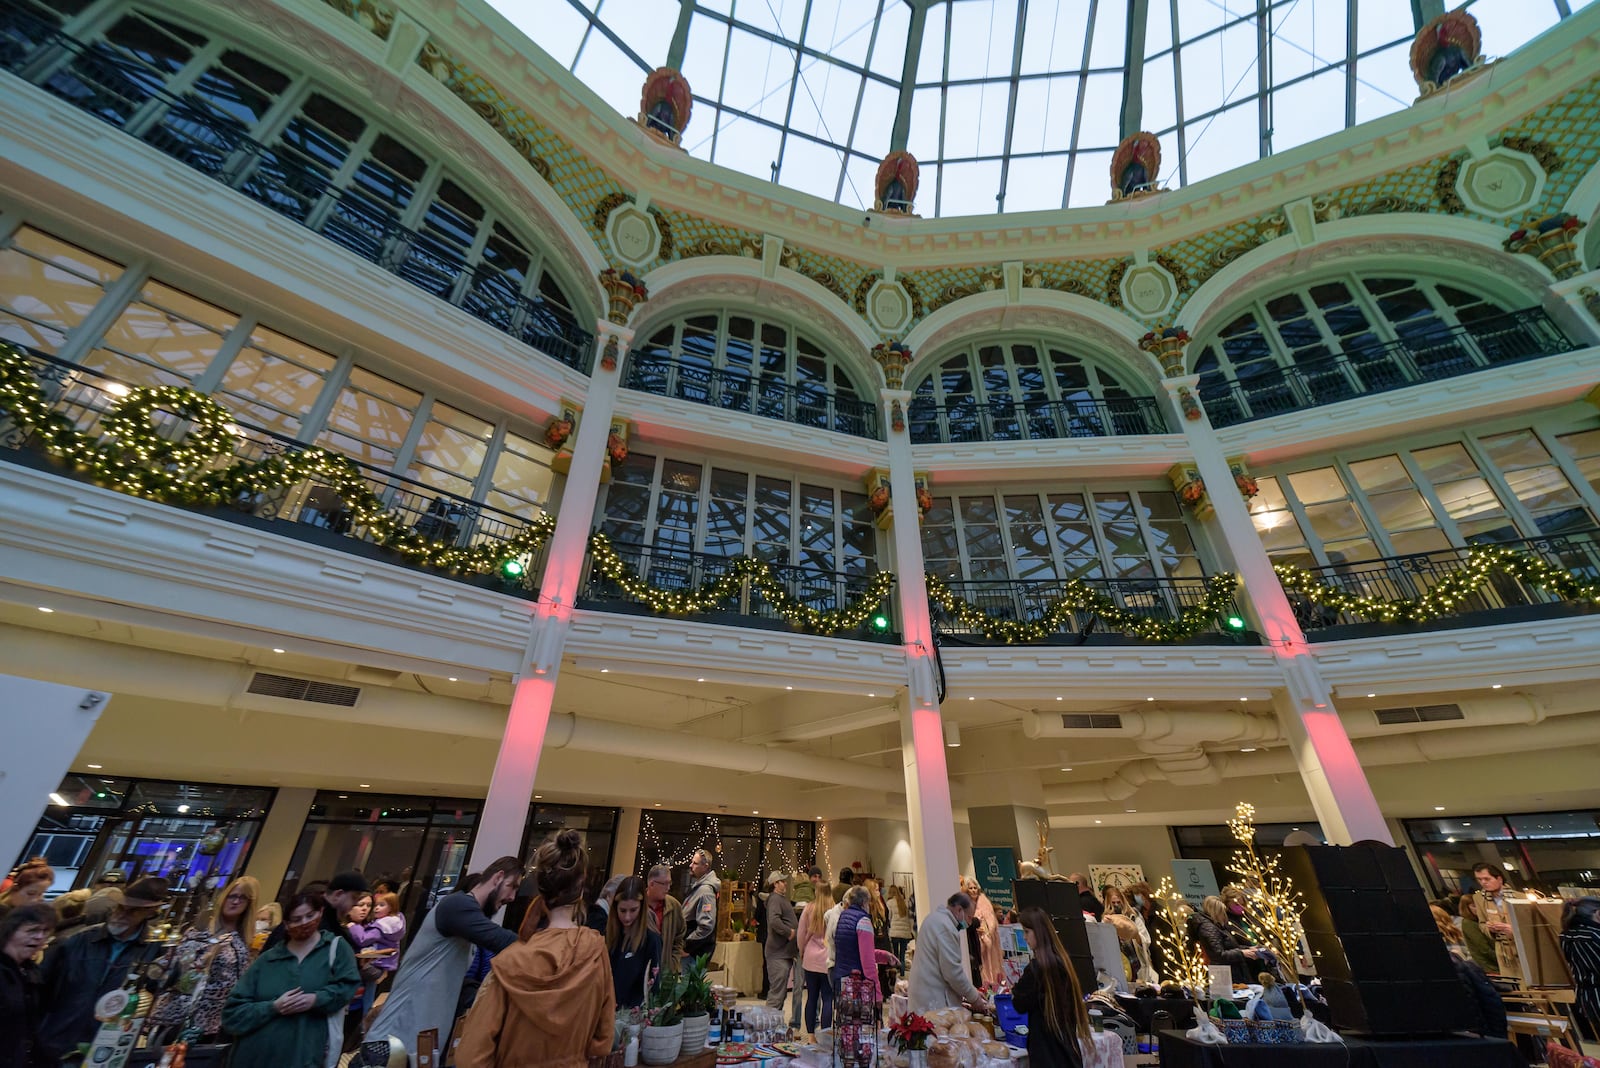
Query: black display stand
[1385,971]
[1447,1052]
[1061,903]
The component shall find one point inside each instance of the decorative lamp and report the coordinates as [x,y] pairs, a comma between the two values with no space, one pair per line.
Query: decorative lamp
[1552,241]
[624,292]
[894,358]
[1167,346]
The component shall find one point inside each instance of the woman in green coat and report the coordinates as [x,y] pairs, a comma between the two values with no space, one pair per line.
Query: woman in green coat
[279,1011]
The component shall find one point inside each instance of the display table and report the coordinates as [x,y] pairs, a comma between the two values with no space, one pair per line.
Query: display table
[1449,1052]
[743,963]
[1142,1011]
[1106,1051]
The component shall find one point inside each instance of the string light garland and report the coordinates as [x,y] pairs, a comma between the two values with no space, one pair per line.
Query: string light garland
[1272,906]
[1078,596]
[1446,595]
[712,594]
[649,838]
[127,453]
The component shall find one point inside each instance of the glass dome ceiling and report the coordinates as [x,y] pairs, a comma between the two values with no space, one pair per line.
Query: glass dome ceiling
[1009,105]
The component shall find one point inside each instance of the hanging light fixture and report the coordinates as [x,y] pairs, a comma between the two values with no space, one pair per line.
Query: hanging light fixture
[952,734]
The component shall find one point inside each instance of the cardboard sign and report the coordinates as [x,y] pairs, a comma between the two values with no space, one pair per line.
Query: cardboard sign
[1196,880]
[996,869]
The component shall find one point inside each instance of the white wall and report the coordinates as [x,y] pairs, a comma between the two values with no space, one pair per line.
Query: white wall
[889,846]
[1078,847]
[847,844]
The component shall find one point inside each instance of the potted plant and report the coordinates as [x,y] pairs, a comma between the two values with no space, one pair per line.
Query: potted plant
[662,1038]
[911,1037]
[695,1003]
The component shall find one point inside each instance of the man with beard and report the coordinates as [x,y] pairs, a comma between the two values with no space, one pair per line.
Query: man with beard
[78,971]
[425,991]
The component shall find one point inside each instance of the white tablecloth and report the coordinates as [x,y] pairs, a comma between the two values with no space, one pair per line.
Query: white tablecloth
[1107,1051]
[743,965]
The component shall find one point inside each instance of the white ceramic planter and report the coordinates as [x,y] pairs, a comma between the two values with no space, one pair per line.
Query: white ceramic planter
[661,1045]
[695,1031]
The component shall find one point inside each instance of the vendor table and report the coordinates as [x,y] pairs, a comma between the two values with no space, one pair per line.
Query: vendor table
[1142,1010]
[1107,1051]
[744,963]
[1449,1052]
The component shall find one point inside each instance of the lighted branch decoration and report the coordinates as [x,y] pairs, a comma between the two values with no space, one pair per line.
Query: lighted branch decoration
[1272,906]
[1078,596]
[128,454]
[1446,595]
[713,594]
[1181,962]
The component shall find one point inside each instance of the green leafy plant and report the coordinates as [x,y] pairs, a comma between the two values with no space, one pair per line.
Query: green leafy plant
[663,1007]
[696,997]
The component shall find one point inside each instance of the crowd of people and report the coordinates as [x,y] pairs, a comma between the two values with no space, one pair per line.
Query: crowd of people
[544,987]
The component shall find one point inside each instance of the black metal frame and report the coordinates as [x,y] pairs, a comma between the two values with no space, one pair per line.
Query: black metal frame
[1023,600]
[1008,420]
[1431,356]
[114,89]
[804,404]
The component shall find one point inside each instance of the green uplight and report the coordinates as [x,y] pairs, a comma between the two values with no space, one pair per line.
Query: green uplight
[512,569]
[880,622]
[1235,622]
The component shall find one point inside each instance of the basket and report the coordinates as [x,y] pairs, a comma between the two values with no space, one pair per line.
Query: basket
[1007,1016]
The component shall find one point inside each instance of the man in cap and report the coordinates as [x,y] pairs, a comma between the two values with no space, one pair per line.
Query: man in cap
[780,949]
[344,890]
[80,970]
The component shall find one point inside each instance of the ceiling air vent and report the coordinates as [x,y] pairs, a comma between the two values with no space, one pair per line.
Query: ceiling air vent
[1090,721]
[292,689]
[1389,717]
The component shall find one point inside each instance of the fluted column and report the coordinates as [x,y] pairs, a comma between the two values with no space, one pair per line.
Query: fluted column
[505,809]
[1333,776]
[936,868]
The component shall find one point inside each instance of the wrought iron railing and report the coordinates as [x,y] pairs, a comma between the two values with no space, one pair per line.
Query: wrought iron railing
[310,509]
[805,404]
[681,571]
[995,420]
[116,89]
[1513,337]
[1410,577]
[1026,600]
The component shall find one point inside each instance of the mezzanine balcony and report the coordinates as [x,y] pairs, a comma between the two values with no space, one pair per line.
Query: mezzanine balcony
[1043,420]
[804,404]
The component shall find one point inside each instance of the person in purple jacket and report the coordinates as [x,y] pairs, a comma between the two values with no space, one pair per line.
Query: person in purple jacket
[385,928]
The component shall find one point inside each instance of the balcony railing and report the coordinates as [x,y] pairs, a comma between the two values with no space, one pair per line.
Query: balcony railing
[1027,600]
[1513,337]
[681,571]
[116,89]
[1411,577]
[803,404]
[1036,420]
[308,510]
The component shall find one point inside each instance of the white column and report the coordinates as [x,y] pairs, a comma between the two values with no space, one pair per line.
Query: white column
[1333,775]
[505,809]
[625,846]
[933,829]
[274,850]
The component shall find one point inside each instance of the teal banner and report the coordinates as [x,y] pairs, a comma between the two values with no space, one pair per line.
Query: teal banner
[996,868]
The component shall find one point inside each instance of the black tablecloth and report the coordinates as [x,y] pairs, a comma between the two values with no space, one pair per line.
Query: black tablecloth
[1142,1010]
[1452,1052]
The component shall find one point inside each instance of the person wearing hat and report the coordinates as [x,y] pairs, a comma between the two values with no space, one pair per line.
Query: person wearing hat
[80,970]
[344,890]
[89,904]
[781,948]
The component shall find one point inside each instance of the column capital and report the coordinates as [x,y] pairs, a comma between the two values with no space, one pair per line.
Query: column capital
[624,292]
[894,358]
[1168,344]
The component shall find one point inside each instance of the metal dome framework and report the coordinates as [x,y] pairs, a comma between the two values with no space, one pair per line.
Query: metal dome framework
[812,94]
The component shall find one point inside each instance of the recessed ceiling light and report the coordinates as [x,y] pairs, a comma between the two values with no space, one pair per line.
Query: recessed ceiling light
[1496,686]
[658,804]
[1449,839]
[1066,769]
[538,797]
[755,812]
[1149,698]
[182,809]
[605,671]
[1244,698]
[364,785]
[344,797]
[1248,749]
[1466,825]
[96,767]
[451,678]
[1438,808]
[1294,828]
[277,650]
[1060,699]
[699,680]
[788,687]
[1130,810]
[972,698]
[1372,695]
[45,610]
[1099,821]
[57,799]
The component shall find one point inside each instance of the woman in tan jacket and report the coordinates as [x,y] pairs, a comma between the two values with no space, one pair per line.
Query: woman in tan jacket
[548,999]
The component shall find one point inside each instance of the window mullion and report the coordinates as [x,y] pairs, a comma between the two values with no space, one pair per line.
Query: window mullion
[115,298]
[408,447]
[1376,531]
[1101,545]
[1313,540]
[491,456]
[210,379]
[317,417]
[1430,494]
[1563,459]
[1492,474]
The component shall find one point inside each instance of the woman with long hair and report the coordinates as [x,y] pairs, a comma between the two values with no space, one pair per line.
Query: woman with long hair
[209,961]
[549,999]
[813,935]
[632,947]
[278,1012]
[1209,929]
[901,929]
[987,925]
[1479,944]
[28,885]
[1048,992]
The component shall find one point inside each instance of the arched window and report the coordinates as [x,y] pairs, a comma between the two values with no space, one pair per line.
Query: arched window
[279,138]
[1026,388]
[1331,340]
[733,360]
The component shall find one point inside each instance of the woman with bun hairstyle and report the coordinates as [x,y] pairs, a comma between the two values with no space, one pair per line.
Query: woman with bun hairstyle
[1048,991]
[549,999]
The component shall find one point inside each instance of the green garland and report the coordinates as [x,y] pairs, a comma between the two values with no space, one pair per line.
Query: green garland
[1078,596]
[712,594]
[1446,595]
[129,455]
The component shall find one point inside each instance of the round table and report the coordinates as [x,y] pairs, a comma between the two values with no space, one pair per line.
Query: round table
[744,965]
